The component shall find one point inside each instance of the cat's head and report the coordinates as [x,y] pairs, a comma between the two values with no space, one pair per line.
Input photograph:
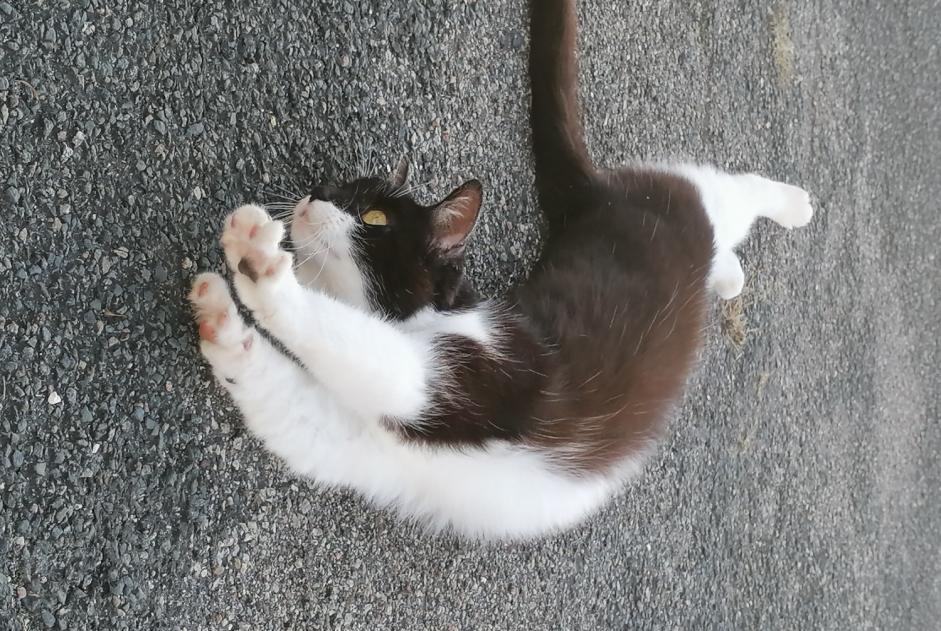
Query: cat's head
[371,245]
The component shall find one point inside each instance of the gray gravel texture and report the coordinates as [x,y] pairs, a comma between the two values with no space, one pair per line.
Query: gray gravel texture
[800,486]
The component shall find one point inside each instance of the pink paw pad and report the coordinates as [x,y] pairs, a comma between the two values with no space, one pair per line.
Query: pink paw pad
[207,331]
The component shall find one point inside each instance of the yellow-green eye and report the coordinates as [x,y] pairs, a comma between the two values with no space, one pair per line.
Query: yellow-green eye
[375,217]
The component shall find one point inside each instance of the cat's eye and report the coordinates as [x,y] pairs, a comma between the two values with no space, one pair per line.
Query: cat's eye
[374,217]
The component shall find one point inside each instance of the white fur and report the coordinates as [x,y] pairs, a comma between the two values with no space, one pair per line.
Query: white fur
[373,368]
[474,324]
[326,422]
[325,252]
[327,419]
[733,202]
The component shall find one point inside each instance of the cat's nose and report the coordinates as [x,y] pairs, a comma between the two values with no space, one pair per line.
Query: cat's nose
[322,193]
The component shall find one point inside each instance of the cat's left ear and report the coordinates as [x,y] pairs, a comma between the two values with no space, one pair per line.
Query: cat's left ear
[454,218]
[399,176]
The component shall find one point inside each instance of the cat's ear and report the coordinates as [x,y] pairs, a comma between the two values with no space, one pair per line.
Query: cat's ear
[399,175]
[453,219]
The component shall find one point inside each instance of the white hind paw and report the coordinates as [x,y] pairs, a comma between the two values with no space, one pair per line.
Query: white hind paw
[795,209]
[727,277]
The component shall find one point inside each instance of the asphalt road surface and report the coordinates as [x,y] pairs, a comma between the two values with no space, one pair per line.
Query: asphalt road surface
[800,486]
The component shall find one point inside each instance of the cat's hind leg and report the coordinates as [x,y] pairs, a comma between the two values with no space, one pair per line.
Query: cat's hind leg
[733,202]
[787,205]
[726,276]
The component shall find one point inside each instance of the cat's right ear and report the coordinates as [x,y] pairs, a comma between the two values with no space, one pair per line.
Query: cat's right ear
[399,175]
[454,218]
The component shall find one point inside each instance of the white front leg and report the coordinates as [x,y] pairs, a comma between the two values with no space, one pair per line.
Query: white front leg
[369,365]
[296,418]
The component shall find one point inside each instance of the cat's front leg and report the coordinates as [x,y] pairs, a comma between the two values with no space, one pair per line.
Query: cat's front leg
[295,417]
[369,365]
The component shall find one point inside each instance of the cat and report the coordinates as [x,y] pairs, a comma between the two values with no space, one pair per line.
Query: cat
[507,418]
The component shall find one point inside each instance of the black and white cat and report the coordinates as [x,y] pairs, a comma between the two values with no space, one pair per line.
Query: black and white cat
[505,418]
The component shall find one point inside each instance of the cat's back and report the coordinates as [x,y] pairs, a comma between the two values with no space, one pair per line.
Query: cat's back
[638,237]
[626,210]
[619,297]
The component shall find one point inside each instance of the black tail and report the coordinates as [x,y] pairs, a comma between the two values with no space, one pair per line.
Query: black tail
[564,172]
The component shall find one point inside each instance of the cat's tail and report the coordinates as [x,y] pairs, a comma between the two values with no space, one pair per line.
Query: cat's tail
[564,171]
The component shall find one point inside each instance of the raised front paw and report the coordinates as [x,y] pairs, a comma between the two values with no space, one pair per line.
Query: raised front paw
[225,338]
[251,240]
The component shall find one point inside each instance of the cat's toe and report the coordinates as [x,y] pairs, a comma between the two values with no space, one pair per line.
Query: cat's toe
[209,293]
[245,223]
[257,267]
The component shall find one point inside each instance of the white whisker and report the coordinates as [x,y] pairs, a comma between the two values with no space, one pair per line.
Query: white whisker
[286,190]
[289,198]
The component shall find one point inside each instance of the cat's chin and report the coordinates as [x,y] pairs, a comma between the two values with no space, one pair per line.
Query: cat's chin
[324,253]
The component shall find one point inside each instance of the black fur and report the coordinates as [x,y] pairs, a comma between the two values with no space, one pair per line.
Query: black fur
[408,267]
[596,346]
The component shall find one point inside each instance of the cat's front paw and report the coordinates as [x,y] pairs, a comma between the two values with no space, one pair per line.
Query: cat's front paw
[225,340]
[251,241]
